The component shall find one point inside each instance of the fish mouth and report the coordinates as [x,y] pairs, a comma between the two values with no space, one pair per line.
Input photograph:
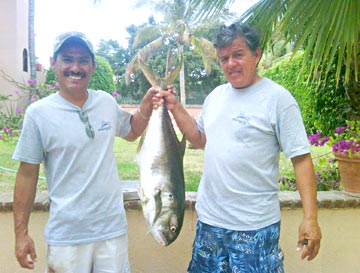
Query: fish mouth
[161,238]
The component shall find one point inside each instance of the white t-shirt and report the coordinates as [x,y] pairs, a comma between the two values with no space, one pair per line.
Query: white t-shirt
[85,193]
[245,131]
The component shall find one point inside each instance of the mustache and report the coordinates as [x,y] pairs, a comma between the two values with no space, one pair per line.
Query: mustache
[69,73]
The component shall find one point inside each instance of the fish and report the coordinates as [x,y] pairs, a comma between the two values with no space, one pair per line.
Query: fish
[162,185]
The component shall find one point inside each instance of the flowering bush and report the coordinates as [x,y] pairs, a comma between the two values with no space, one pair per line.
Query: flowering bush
[327,178]
[345,140]
[11,119]
[10,123]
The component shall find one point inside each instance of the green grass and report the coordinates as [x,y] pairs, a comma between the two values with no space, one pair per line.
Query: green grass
[125,153]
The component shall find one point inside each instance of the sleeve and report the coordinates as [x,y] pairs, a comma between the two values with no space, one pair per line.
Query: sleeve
[123,122]
[291,132]
[29,147]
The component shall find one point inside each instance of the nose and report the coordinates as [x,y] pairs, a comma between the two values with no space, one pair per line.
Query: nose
[231,61]
[75,66]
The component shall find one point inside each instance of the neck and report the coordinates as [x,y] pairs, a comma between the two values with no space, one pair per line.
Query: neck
[77,98]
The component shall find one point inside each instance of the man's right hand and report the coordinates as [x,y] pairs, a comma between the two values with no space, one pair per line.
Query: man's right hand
[25,252]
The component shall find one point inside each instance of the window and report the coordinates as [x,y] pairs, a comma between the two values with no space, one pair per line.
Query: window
[25,60]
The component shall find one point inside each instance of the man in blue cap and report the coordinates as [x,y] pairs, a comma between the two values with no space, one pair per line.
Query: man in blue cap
[72,132]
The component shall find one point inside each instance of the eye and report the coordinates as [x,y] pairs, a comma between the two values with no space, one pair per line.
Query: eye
[173,229]
[84,61]
[67,60]
[171,197]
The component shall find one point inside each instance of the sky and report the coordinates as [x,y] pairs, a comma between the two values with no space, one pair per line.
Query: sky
[106,20]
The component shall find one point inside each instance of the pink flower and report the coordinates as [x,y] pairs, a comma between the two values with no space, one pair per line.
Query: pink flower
[30,81]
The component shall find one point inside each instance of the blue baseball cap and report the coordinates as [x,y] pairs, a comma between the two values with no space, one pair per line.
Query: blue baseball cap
[72,36]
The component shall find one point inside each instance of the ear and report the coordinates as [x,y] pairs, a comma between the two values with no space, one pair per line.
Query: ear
[257,55]
[52,63]
[94,68]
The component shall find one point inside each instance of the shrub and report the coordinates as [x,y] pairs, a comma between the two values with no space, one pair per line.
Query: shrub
[322,106]
[103,78]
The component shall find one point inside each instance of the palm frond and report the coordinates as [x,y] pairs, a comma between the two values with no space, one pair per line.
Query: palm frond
[325,29]
[206,50]
[209,8]
[146,34]
[149,74]
[172,75]
[143,54]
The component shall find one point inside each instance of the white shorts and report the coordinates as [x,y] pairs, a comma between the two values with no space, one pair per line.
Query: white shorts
[105,256]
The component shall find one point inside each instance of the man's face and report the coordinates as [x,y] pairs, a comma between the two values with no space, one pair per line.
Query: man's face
[73,67]
[239,63]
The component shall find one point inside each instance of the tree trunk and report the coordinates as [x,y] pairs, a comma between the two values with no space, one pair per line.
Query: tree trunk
[182,78]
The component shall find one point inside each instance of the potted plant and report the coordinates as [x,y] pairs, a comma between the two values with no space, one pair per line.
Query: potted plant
[345,143]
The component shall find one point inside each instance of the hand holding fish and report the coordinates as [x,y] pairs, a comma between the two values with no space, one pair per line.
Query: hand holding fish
[169,96]
[142,116]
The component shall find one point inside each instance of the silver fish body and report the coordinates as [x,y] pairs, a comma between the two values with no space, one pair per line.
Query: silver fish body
[160,159]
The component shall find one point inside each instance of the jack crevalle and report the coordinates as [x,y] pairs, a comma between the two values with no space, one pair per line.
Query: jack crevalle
[160,159]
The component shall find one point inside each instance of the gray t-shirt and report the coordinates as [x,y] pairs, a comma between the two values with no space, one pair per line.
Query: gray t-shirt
[85,193]
[245,130]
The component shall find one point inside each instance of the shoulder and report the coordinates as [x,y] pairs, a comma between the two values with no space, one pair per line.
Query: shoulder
[218,91]
[41,104]
[278,92]
[100,95]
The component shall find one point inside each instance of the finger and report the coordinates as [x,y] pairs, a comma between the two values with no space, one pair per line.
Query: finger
[302,243]
[25,263]
[33,255]
[154,90]
[313,249]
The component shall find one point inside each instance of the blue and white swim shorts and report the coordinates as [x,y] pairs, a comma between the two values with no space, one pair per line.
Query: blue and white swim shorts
[219,250]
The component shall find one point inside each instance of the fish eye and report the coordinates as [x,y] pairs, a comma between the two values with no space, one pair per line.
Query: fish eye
[173,229]
[170,196]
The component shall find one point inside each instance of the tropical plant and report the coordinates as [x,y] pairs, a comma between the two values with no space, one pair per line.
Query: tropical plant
[327,30]
[174,35]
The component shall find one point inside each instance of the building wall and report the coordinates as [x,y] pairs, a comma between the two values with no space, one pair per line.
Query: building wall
[13,41]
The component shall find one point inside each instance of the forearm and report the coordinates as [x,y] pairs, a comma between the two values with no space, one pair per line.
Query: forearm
[306,183]
[140,118]
[188,126]
[24,195]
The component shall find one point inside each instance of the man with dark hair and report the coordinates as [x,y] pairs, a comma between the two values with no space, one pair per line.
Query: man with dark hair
[73,132]
[243,126]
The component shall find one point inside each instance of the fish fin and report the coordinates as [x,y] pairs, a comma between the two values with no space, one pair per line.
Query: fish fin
[141,141]
[172,75]
[182,145]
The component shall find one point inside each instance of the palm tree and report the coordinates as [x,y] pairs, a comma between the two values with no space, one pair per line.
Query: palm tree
[326,30]
[178,15]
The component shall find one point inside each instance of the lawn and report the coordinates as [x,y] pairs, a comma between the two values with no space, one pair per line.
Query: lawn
[128,170]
